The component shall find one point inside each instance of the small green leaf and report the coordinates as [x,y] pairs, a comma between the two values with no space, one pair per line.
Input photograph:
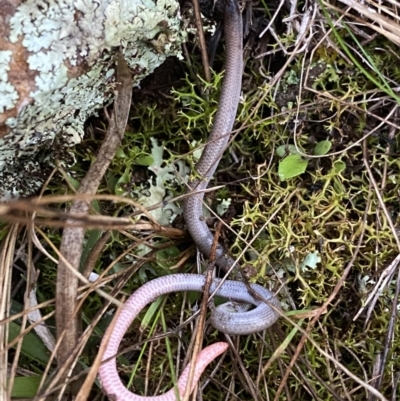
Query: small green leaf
[291,166]
[167,257]
[339,166]
[283,150]
[25,387]
[120,154]
[322,148]
[144,273]
[73,182]
[151,312]
[144,161]
[120,186]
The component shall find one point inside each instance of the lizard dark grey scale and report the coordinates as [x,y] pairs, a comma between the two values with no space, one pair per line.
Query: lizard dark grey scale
[210,158]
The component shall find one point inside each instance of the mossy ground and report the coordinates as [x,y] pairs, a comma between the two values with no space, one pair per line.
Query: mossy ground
[302,235]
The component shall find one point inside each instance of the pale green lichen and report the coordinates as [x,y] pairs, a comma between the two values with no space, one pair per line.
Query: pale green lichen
[158,191]
[147,32]
[9,95]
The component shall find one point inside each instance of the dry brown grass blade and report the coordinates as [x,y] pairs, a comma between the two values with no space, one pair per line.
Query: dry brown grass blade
[380,23]
[67,321]
[6,262]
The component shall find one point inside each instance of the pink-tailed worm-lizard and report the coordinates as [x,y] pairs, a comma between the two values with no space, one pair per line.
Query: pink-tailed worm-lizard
[225,317]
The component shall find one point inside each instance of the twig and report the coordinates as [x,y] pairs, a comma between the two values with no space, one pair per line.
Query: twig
[71,245]
[200,324]
[202,41]
[383,280]
[389,336]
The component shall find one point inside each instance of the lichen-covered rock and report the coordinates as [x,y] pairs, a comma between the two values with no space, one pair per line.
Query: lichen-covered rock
[56,70]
